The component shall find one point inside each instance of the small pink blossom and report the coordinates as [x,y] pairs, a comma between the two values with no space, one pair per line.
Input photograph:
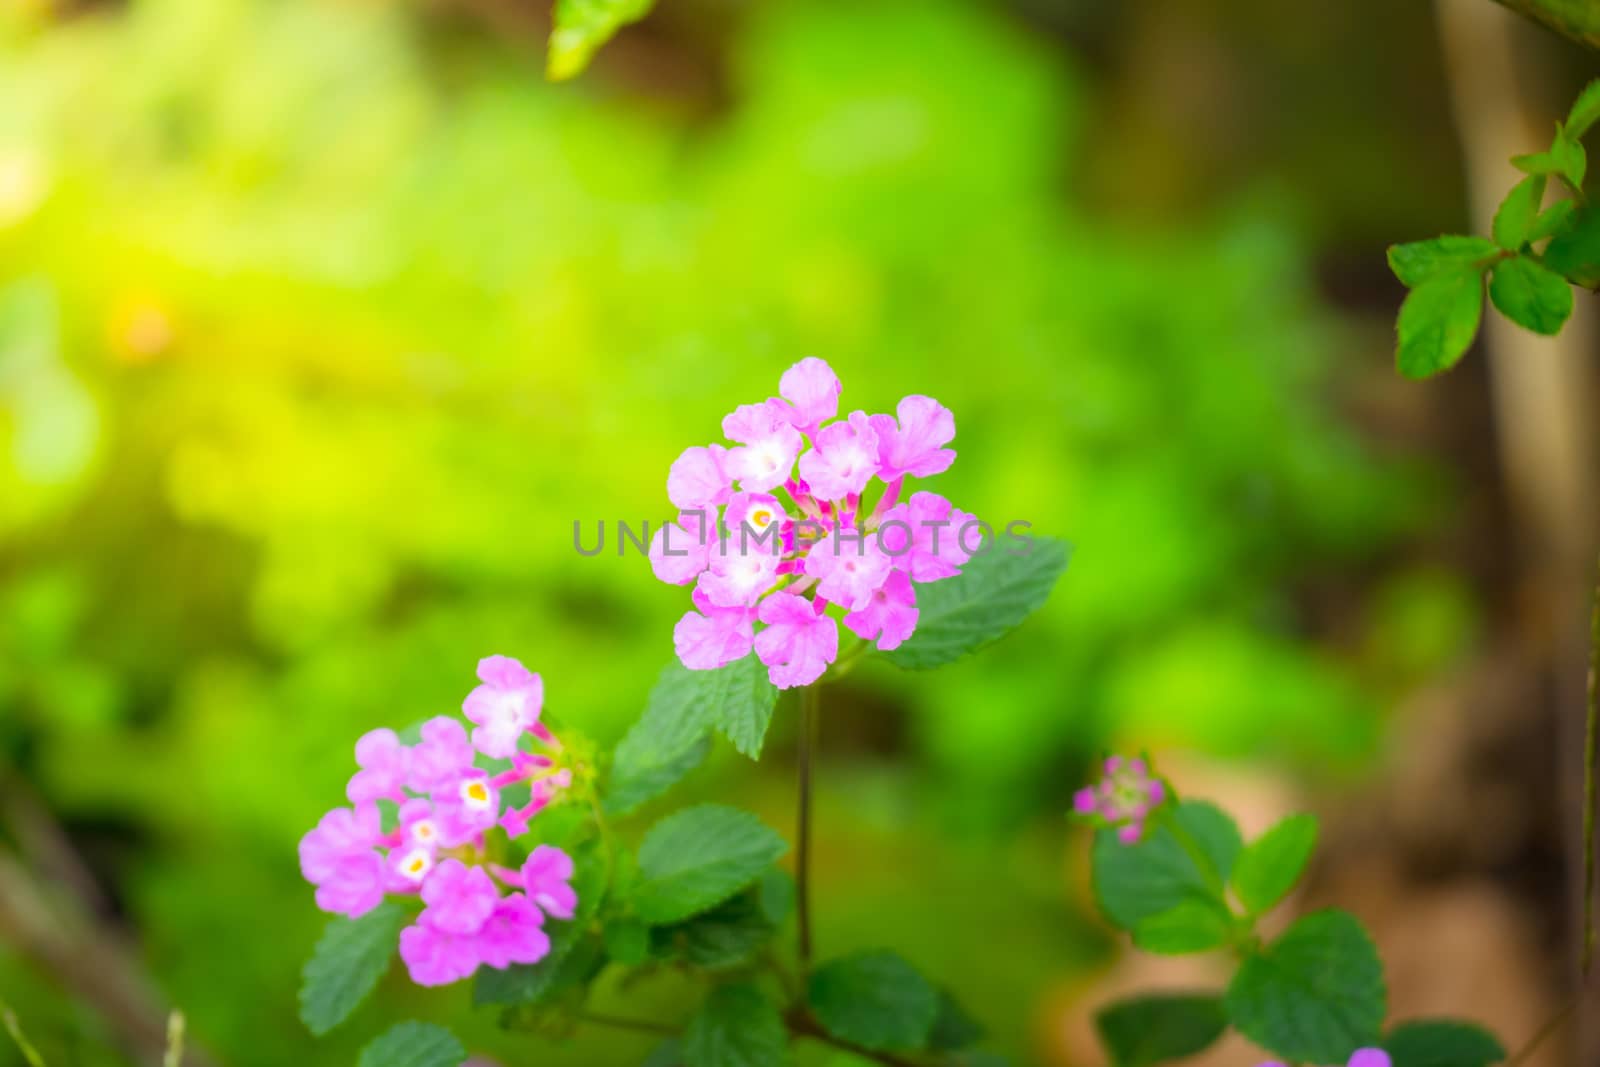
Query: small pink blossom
[680,550]
[1361,1057]
[504,707]
[513,933]
[698,478]
[459,898]
[770,445]
[810,391]
[339,833]
[547,878]
[713,637]
[434,957]
[442,756]
[848,569]
[889,616]
[928,538]
[1123,799]
[465,811]
[912,442]
[843,459]
[798,643]
[738,578]
[384,762]
[354,887]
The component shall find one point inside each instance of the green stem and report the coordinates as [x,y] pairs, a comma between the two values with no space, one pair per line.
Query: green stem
[617,1022]
[9,1019]
[1550,1027]
[809,700]
[1591,728]
[175,1030]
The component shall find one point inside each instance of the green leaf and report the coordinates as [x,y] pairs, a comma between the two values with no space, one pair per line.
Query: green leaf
[1314,995]
[1565,159]
[700,857]
[413,1045]
[777,895]
[991,596]
[669,740]
[667,1054]
[1442,1042]
[1270,866]
[1136,882]
[1192,926]
[1152,1029]
[347,962]
[1585,110]
[726,936]
[1438,321]
[1555,219]
[1531,295]
[875,999]
[1575,252]
[737,1027]
[1514,218]
[1418,261]
[582,26]
[627,941]
[536,983]
[952,1027]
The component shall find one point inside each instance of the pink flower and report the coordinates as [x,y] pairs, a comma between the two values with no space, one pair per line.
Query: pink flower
[547,877]
[811,391]
[680,550]
[513,933]
[698,478]
[849,569]
[1361,1057]
[383,761]
[354,886]
[434,957]
[798,643]
[769,446]
[915,443]
[467,810]
[442,756]
[713,637]
[340,833]
[928,538]
[1123,799]
[843,459]
[459,898]
[505,706]
[738,578]
[890,615]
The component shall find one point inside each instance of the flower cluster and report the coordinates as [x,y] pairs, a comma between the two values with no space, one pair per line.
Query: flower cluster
[416,827]
[1361,1057]
[783,524]
[1123,799]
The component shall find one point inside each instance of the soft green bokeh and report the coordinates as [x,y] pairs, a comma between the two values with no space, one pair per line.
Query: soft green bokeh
[319,331]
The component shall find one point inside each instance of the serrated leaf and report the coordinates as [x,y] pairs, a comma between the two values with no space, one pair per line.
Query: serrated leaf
[737,1027]
[1438,322]
[1572,161]
[699,857]
[1555,219]
[535,983]
[875,999]
[1270,866]
[1147,1030]
[1418,261]
[347,962]
[1575,252]
[1192,926]
[1316,994]
[726,936]
[740,698]
[1514,219]
[582,26]
[413,1044]
[991,596]
[1531,295]
[1135,882]
[1442,1043]
[1585,110]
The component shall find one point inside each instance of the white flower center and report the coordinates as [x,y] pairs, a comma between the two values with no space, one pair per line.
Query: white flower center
[416,865]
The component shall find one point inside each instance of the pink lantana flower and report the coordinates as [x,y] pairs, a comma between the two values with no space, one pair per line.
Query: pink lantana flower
[1361,1057]
[786,508]
[680,550]
[437,849]
[1123,799]
[505,706]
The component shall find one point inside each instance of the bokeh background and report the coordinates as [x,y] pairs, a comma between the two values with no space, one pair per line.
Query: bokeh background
[323,321]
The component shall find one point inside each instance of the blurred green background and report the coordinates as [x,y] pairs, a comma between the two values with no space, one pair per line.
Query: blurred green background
[322,323]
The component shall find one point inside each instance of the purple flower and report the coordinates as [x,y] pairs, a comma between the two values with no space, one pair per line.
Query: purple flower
[928,538]
[434,957]
[465,810]
[798,643]
[1123,799]
[713,637]
[459,898]
[513,933]
[849,570]
[769,447]
[680,550]
[442,756]
[384,762]
[698,480]
[810,392]
[738,575]
[843,459]
[505,706]
[890,614]
[547,878]
[1361,1057]
[913,442]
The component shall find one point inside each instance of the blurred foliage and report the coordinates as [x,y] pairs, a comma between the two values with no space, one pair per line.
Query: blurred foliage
[319,332]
